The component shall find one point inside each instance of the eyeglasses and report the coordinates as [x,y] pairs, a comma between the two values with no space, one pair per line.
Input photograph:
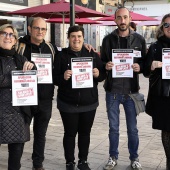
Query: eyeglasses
[38,29]
[166,25]
[5,35]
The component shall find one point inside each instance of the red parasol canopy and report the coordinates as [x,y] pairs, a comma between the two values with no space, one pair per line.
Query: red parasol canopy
[77,20]
[135,17]
[59,9]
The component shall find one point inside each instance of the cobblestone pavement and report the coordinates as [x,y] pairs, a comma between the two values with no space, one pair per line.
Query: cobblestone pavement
[151,152]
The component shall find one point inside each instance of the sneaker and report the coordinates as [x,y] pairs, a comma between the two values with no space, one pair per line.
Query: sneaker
[83,165]
[112,162]
[136,165]
[70,166]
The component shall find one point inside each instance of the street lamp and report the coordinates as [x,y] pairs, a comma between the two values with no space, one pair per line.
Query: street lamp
[124,1]
[85,2]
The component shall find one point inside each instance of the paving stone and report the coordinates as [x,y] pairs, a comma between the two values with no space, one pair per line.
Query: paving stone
[151,151]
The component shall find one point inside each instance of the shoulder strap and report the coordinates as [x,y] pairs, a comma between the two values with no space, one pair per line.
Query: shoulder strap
[51,48]
[19,60]
[21,48]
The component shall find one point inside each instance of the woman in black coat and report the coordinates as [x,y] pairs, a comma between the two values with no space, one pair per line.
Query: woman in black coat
[158,102]
[77,106]
[14,120]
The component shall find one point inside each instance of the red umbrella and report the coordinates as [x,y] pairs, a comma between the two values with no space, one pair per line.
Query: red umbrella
[108,23]
[135,17]
[59,9]
[112,23]
[67,20]
[151,23]
[77,20]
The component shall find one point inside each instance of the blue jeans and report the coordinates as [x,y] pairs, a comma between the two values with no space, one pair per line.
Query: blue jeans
[112,103]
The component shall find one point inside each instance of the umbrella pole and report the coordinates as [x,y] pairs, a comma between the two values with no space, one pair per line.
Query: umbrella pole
[72,12]
[63,45]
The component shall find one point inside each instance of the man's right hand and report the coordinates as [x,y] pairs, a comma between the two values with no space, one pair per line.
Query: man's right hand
[67,74]
[109,65]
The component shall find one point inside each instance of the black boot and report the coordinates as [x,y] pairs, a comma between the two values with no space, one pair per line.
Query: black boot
[83,165]
[167,164]
[70,166]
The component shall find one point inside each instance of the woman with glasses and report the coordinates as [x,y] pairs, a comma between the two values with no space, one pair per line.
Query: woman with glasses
[158,102]
[14,120]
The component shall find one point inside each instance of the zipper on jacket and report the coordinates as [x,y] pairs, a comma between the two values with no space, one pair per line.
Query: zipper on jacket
[40,50]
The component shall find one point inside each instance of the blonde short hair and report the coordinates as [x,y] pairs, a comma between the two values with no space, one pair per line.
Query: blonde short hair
[9,26]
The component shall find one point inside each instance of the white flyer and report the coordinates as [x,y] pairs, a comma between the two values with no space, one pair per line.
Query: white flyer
[137,53]
[24,88]
[166,63]
[123,60]
[82,69]
[44,67]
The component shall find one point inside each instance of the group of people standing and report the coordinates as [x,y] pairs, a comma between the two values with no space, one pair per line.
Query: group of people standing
[77,106]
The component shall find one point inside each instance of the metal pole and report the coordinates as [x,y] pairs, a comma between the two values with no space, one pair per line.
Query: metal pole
[72,12]
[52,29]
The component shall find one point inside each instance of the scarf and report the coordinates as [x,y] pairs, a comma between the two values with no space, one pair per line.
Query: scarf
[5,52]
[165,41]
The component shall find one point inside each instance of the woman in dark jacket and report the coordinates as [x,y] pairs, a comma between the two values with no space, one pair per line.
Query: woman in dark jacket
[158,102]
[14,120]
[77,106]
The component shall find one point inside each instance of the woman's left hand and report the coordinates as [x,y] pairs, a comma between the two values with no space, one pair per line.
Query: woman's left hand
[136,67]
[95,72]
[89,47]
[27,66]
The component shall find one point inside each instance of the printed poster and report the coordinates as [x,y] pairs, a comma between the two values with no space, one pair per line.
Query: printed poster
[82,69]
[123,60]
[24,88]
[166,63]
[44,67]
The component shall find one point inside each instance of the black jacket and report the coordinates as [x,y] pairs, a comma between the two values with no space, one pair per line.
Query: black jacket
[157,85]
[45,91]
[134,41]
[82,96]
[14,120]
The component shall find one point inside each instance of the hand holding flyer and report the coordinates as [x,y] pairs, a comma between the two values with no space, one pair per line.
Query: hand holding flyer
[82,72]
[24,88]
[123,60]
[166,63]
[44,67]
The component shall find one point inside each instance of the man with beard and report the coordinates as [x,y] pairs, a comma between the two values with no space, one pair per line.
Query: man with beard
[118,89]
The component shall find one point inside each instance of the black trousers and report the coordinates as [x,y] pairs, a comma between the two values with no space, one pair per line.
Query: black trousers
[15,153]
[74,123]
[42,115]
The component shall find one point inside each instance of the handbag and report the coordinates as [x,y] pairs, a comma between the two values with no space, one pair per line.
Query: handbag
[149,105]
[139,101]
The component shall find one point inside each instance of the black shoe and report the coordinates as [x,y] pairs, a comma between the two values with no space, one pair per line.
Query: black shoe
[70,166]
[38,168]
[83,165]
[167,164]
